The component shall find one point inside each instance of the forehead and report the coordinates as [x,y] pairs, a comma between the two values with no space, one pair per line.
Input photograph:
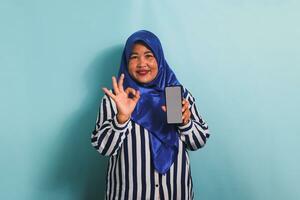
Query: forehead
[140,47]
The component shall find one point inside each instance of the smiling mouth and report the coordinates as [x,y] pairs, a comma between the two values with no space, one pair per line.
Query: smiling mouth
[143,72]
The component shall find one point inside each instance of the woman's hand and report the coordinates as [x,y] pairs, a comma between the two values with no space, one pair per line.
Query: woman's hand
[125,105]
[186,113]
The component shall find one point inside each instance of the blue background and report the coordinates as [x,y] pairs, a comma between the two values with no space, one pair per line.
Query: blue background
[239,58]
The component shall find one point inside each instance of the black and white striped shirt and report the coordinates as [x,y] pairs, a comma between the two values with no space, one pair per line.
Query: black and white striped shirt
[130,173]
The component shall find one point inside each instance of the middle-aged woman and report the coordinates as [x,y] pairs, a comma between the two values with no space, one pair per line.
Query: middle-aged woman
[148,156]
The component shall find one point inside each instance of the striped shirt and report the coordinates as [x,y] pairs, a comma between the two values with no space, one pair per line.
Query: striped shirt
[130,172]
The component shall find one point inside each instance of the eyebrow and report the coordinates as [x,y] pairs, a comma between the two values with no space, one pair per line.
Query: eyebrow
[144,52]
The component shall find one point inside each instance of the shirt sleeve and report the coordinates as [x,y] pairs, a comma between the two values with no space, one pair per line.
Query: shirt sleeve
[108,134]
[195,133]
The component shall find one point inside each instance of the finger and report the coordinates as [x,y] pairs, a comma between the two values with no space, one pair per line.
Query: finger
[186,115]
[185,105]
[109,93]
[115,85]
[137,96]
[164,108]
[130,90]
[186,121]
[183,116]
[120,83]
[188,103]
[185,101]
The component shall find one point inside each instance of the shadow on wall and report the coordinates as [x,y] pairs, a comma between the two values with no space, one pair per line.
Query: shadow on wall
[78,168]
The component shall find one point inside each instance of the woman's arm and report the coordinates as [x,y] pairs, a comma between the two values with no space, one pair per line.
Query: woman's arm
[195,133]
[109,134]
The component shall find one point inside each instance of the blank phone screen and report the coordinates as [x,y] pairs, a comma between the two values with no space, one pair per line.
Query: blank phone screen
[173,103]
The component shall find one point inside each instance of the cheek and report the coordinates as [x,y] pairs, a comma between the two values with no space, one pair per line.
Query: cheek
[155,72]
[131,68]
[154,67]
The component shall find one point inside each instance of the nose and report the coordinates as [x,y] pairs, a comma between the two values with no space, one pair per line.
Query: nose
[141,62]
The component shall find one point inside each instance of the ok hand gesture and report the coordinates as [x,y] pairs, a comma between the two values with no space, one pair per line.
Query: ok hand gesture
[125,104]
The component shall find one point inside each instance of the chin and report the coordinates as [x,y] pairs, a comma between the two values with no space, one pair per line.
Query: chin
[143,81]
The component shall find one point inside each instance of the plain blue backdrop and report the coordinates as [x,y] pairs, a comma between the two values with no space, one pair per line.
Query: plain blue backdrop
[239,58]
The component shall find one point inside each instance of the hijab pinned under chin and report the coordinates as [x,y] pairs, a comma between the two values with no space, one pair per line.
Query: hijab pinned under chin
[148,112]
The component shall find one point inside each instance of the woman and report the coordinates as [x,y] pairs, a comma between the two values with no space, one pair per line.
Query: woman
[148,157]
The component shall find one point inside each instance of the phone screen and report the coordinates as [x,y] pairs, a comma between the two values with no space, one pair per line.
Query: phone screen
[173,103]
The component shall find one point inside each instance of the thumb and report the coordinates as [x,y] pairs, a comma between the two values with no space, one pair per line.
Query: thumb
[137,96]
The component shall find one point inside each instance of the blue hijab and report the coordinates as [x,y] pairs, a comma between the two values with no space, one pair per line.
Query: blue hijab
[148,112]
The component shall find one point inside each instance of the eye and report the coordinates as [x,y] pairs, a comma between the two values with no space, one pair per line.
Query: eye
[149,55]
[133,57]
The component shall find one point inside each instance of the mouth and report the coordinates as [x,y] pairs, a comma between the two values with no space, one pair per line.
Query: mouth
[142,72]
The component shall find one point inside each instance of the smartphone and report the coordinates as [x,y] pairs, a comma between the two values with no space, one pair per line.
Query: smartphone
[174,104]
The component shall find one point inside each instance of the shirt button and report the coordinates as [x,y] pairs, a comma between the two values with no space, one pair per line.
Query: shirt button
[156,185]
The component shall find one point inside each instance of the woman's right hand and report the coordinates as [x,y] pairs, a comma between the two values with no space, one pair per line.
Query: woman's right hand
[125,104]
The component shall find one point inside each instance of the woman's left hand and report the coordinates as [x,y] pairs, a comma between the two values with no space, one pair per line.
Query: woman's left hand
[186,113]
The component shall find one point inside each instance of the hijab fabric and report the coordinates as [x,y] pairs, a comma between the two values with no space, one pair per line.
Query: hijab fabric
[148,112]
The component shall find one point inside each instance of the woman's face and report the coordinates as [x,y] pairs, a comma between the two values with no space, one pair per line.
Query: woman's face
[142,65]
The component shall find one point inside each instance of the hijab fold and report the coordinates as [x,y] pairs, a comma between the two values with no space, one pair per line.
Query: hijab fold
[148,112]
